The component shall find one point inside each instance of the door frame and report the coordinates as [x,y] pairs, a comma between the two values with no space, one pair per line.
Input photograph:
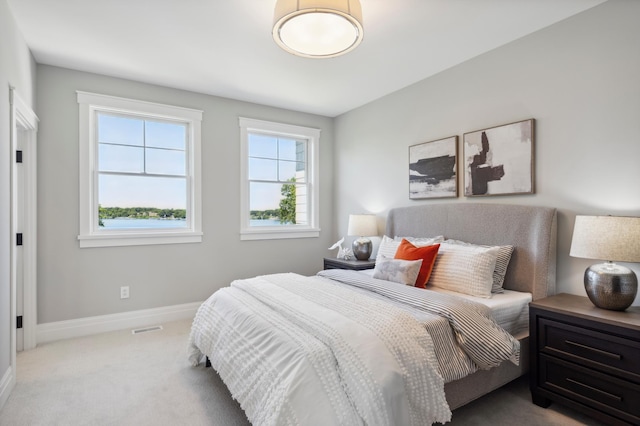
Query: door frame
[25,121]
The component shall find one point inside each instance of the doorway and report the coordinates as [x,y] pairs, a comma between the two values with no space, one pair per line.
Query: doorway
[24,128]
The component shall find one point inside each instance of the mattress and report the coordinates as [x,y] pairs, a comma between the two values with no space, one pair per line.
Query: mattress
[510,309]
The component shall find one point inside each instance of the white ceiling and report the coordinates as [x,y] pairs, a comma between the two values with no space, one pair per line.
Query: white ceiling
[225,48]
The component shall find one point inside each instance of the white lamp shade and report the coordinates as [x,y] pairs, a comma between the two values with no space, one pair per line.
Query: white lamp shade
[318,28]
[612,238]
[362,225]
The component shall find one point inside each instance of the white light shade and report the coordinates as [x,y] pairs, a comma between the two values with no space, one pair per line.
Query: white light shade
[362,225]
[613,238]
[318,28]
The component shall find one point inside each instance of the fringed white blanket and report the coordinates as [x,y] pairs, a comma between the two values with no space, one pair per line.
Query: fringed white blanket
[297,350]
[343,348]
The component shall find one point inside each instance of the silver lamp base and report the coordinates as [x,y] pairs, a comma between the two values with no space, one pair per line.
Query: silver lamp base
[361,248]
[610,286]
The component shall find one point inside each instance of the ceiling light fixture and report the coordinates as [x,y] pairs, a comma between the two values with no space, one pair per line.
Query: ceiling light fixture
[318,28]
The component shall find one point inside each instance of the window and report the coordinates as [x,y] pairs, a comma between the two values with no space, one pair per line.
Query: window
[279,180]
[139,172]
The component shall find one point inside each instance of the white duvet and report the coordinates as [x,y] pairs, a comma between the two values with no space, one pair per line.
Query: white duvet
[297,350]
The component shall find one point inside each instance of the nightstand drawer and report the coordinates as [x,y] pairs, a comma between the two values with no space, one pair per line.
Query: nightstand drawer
[616,397]
[586,357]
[605,352]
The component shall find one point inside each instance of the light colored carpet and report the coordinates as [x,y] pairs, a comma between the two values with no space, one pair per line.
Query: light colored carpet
[123,379]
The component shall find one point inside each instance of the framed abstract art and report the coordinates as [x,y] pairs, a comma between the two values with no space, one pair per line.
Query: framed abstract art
[433,169]
[499,160]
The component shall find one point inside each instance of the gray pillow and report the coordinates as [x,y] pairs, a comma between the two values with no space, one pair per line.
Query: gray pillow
[397,270]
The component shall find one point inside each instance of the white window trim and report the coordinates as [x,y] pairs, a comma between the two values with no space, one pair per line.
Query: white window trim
[91,237]
[248,125]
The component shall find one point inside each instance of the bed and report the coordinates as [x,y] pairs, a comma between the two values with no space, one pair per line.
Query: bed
[371,373]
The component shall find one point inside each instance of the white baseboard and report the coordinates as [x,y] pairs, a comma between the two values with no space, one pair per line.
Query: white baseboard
[51,331]
[7,383]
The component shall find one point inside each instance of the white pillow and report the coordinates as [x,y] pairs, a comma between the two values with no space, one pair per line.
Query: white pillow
[397,270]
[464,269]
[502,262]
[389,246]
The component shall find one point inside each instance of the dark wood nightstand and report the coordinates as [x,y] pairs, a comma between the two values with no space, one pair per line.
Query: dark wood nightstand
[586,358]
[354,265]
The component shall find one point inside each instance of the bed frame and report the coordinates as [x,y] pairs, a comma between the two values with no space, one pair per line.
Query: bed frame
[531,230]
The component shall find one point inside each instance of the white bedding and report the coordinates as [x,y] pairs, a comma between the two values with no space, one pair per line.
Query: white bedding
[297,350]
[509,309]
[311,350]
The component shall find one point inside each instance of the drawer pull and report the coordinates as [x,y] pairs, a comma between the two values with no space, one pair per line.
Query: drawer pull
[610,395]
[601,352]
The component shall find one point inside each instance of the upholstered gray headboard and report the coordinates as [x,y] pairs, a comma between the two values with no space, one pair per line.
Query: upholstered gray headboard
[531,230]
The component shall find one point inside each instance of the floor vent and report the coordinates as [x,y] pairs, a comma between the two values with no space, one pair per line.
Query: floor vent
[146,329]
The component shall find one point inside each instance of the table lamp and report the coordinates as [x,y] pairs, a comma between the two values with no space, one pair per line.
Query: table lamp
[609,238]
[362,226]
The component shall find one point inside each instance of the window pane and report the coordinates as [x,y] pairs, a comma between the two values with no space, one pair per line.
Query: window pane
[260,169]
[162,201]
[288,205]
[264,205]
[165,135]
[302,215]
[118,158]
[287,149]
[286,170]
[264,196]
[120,130]
[275,204]
[301,173]
[263,146]
[166,162]
[301,151]
[141,220]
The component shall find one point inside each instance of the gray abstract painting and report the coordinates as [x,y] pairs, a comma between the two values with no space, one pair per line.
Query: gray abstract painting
[499,160]
[433,169]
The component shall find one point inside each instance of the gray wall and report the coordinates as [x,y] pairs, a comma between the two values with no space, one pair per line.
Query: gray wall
[17,69]
[580,80]
[76,283]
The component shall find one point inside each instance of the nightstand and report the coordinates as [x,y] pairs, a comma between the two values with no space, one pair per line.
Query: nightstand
[586,358]
[354,265]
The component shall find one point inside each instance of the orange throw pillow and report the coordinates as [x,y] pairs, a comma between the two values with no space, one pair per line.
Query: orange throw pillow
[428,254]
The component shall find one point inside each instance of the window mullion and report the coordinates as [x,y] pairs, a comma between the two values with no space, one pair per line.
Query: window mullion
[159,148]
[142,174]
[144,145]
[278,158]
[281,182]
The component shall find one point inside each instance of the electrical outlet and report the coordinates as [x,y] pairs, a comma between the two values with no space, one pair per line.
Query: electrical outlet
[124,292]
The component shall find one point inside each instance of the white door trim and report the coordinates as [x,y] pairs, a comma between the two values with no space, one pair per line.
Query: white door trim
[23,119]
[7,382]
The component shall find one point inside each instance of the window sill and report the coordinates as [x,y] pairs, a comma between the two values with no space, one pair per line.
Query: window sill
[278,234]
[139,239]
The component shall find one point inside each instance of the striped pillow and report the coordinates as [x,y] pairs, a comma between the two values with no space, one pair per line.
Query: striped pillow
[464,269]
[502,262]
[421,241]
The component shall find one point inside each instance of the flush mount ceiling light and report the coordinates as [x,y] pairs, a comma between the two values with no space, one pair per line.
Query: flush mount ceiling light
[318,28]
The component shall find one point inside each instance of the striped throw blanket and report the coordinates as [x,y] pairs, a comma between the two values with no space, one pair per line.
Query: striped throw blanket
[464,334]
